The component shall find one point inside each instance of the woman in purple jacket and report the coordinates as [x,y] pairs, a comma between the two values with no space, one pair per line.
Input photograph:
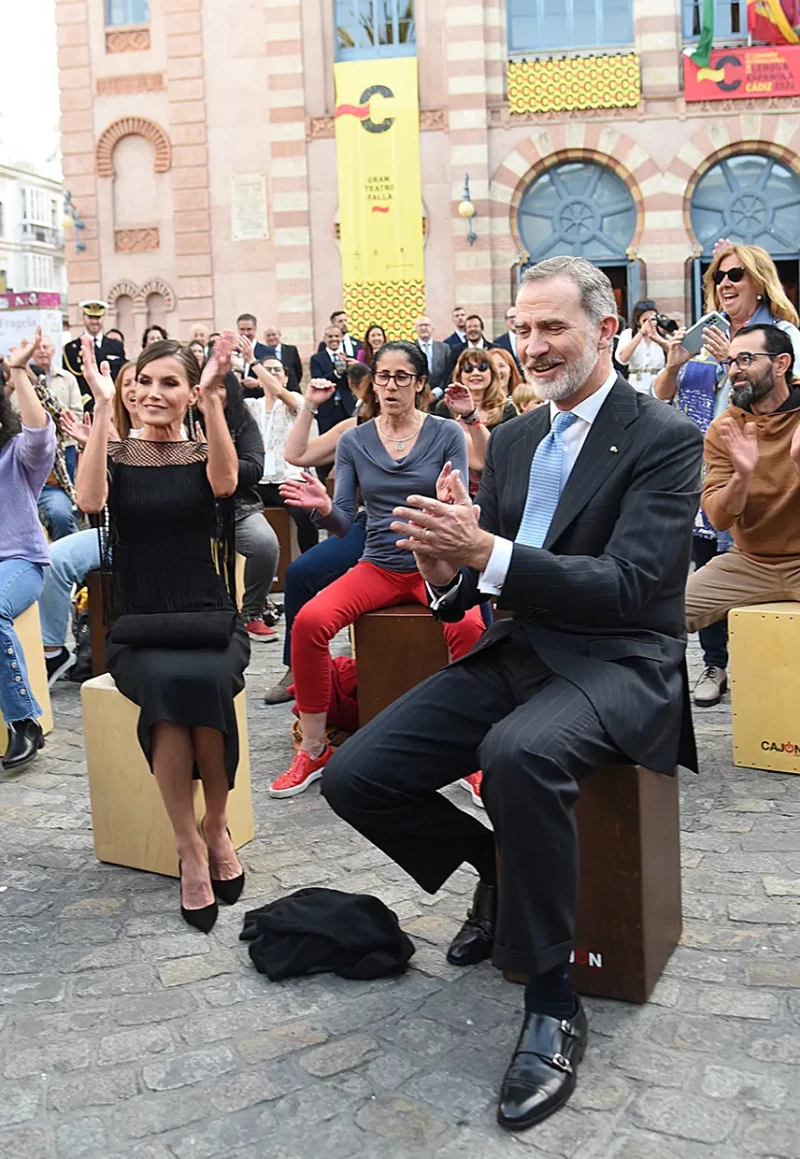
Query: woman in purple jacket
[27,450]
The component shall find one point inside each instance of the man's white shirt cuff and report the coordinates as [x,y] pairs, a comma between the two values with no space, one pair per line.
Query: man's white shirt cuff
[491,580]
[439,598]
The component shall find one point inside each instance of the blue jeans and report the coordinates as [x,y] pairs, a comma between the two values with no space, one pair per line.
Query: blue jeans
[20,585]
[314,570]
[70,559]
[714,638]
[55,509]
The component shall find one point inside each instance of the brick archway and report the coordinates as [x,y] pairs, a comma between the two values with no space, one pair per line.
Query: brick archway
[572,141]
[122,290]
[158,286]
[132,127]
[731,137]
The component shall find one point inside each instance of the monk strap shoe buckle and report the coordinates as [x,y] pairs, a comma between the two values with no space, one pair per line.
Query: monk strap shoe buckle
[569,1029]
[562,1063]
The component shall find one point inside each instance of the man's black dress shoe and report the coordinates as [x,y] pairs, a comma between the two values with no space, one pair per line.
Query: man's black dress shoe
[474,941]
[25,738]
[543,1069]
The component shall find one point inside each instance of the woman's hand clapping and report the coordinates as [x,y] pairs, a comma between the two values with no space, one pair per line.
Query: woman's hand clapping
[310,494]
[318,391]
[100,381]
[212,380]
[459,400]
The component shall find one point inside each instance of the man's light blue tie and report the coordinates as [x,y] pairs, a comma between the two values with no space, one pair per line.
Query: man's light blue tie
[544,484]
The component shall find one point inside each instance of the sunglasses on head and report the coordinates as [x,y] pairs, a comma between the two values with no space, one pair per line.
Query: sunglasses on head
[733,275]
[468,367]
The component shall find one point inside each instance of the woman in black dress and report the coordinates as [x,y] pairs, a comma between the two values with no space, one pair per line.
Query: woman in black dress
[176,646]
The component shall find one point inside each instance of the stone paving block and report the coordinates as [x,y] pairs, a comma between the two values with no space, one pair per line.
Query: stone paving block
[762,1092]
[401,1120]
[131,1045]
[97,1089]
[82,1139]
[27,1142]
[342,1055]
[136,979]
[58,1055]
[684,1115]
[775,1140]
[19,1103]
[179,971]
[279,1041]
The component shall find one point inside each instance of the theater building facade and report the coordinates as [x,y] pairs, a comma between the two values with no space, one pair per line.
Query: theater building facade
[201,149]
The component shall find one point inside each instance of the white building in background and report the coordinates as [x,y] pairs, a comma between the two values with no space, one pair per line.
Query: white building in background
[31,235]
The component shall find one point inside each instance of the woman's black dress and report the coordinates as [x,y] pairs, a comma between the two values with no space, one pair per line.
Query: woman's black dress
[172,550]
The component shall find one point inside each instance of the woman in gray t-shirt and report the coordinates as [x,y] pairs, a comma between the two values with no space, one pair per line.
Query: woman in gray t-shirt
[400,452]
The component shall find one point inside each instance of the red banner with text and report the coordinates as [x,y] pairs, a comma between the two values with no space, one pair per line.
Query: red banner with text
[739,73]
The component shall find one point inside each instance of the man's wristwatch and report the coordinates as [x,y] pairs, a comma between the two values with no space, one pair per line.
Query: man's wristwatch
[471,419]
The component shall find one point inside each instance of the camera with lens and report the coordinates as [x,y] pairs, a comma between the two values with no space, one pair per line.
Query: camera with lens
[666,326]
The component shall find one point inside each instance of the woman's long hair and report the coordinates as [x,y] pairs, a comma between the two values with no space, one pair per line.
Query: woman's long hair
[761,269]
[422,399]
[10,424]
[639,310]
[494,399]
[516,378]
[122,420]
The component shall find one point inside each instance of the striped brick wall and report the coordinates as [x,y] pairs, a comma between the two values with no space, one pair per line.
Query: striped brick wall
[77,147]
[194,286]
[657,35]
[289,172]
[468,28]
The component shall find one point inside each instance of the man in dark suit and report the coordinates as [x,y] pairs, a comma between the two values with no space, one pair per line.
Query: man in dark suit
[287,355]
[508,340]
[350,345]
[331,362]
[458,337]
[586,513]
[437,354]
[106,349]
[474,339]
[246,324]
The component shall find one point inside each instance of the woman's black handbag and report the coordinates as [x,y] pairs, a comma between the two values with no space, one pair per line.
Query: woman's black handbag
[211,629]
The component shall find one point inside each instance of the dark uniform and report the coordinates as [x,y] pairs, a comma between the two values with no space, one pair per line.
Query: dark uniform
[109,350]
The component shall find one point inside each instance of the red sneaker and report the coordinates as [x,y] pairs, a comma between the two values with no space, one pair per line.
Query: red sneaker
[472,784]
[258,630]
[302,772]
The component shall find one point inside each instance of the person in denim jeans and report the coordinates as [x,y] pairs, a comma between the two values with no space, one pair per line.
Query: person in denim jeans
[27,450]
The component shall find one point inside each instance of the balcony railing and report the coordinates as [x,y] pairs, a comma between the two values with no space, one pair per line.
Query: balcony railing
[44,234]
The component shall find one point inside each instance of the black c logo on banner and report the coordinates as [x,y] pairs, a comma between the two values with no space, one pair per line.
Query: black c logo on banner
[368,124]
[732,85]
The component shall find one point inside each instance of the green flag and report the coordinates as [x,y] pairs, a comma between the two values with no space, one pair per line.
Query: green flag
[701,54]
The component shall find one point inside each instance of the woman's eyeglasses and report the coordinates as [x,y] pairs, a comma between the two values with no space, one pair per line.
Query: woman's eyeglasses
[744,360]
[401,379]
[469,367]
[733,275]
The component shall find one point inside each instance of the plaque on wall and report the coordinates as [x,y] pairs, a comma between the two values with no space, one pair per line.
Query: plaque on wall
[249,207]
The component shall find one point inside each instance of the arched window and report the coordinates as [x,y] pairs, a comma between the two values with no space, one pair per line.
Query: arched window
[125,321]
[750,198]
[156,310]
[580,208]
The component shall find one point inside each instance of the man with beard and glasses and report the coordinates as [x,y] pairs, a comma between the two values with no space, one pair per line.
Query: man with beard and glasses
[581,530]
[752,483]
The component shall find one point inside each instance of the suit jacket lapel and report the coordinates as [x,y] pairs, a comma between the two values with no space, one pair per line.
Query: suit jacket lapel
[603,450]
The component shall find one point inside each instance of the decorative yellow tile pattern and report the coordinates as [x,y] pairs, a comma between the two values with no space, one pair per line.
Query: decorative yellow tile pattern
[393,305]
[583,82]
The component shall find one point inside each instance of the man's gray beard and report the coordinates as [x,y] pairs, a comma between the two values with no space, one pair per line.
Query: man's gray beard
[743,397]
[569,381]
[750,392]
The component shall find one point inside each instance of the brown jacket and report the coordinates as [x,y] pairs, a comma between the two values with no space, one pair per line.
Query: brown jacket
[768,530]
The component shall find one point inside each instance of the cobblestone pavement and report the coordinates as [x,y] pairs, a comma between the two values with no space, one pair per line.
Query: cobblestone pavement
[123,1033]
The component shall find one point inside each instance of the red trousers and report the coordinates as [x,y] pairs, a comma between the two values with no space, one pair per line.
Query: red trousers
[365,588]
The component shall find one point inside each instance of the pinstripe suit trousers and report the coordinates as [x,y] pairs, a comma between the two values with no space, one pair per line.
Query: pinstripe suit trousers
[535,735]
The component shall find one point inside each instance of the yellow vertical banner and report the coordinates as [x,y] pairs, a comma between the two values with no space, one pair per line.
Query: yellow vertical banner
[380,194]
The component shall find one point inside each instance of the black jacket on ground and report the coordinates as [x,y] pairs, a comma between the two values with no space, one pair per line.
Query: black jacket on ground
[316,930]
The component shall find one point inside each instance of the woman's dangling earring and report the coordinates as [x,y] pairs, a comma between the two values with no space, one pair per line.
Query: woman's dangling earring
[192,432]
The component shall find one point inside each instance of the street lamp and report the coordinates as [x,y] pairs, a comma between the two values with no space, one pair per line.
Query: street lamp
[467,210]
[72,220]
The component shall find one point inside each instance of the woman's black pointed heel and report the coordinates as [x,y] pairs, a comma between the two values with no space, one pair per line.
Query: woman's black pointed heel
[202,919]
[228,891]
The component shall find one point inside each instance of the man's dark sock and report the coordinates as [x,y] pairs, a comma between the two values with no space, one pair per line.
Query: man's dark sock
[551,993]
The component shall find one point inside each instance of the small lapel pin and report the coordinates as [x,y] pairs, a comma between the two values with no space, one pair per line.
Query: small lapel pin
[613,450]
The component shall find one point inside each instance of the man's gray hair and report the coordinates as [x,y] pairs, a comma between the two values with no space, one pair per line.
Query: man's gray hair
[597,296]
